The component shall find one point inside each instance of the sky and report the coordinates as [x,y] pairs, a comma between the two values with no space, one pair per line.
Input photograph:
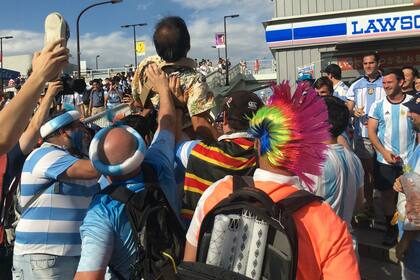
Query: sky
[102,35]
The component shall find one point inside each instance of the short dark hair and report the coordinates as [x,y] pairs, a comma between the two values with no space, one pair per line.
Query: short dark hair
[324,81]
[171,39]
[374,54]
[334,70]
[139,123]
[396,71]
[338,115]
[115,80]
[414,70]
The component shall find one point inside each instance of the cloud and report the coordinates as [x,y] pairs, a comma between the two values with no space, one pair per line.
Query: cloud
[115,49]
[142,6]
[245,34]
[204,5]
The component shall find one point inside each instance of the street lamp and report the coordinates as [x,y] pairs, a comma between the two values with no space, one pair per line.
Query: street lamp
[226,57]
[97,61]
[78,32]
[1,51]
[134,37]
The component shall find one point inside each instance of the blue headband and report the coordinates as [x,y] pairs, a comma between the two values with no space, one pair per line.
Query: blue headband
[123,168]
[59,122]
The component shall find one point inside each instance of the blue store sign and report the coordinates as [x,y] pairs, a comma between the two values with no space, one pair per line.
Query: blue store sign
[347,29]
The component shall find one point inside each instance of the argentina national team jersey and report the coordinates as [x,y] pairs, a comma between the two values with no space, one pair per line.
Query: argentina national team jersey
[340,91]
[395,129]
[51,224]
[364,93]
[341,178]
[414,161]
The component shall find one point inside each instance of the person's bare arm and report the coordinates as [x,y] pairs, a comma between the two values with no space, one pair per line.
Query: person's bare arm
[30,137]
[105,101]
[180,99]
[166,114]
[90,275]
[82,110]
[203,128]
[14,118]
[350,106]
[373,137]
[190,253]
[81,169]
[90,104]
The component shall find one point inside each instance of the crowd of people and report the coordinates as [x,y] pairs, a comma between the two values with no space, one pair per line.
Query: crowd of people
[168,192]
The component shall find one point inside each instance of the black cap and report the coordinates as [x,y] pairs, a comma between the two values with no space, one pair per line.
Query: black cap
[333,69]
[414,104]
[242,105]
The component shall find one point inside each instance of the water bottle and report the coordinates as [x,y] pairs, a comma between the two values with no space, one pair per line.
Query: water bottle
[411,186]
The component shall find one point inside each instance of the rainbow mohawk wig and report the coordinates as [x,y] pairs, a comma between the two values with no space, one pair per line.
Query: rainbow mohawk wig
[292,130]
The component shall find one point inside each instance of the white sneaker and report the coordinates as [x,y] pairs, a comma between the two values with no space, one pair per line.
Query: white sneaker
[56,28]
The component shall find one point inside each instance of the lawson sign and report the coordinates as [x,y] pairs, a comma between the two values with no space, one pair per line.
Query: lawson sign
[347,29]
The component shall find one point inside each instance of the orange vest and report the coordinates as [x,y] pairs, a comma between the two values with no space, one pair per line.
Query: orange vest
[325,248]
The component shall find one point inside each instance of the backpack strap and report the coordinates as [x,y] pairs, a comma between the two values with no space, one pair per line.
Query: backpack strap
[297,200]
[123,194]
[240,182]
[244,190]
[149,173]
[56,189]
[119,193]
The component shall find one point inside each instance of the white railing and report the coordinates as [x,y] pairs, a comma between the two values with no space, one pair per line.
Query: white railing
[101,119]
[215,79]
[101,73]
[266,66]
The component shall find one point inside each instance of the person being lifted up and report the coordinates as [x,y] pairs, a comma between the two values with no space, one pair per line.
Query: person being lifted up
[172,43]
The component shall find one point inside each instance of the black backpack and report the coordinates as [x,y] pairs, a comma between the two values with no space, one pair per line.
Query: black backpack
[159,234]
[281,245]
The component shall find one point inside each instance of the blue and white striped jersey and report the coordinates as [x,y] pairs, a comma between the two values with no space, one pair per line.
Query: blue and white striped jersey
[414,161]
[395,130]
[50,225]
[364,93]
[340,91]
[342,177]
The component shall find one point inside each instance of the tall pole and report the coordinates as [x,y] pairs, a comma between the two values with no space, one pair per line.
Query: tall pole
[226,56]
[135,51]
[97,61]
[226,59]
[78,29]
[1,51]
[134,38]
